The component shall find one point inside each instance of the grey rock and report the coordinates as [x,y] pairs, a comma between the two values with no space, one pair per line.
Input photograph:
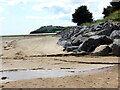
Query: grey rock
[89,34]
[102,50]
[94,41]
[116,47]
[78,40]
[106,32]
[116,26]
[64,43]
[111,45]
[75,35]
[115,34]
[71,48]
[90,38]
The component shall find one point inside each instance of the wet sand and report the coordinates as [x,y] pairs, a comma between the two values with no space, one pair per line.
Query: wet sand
[32,53]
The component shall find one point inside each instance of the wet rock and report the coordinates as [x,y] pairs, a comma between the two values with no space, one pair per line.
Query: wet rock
[115,34]
[116,47]
[102,50]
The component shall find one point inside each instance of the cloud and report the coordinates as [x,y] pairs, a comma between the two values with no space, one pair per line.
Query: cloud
[97,1]
[69,6]
[1,9]
[48,17]
[57,8]
[14,2]
[96,7]
[54,7]
[54,4]
[2,18]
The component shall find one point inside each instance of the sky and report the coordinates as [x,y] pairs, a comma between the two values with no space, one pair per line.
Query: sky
[23,16]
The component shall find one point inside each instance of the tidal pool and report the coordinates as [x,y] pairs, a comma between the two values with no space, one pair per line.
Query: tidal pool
[30,74]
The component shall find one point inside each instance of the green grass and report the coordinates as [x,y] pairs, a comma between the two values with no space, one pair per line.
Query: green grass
[115,16]
[47,29]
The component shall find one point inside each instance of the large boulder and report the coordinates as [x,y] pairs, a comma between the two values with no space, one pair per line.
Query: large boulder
[94,41]
[116,47]
[102,50]
[115,34]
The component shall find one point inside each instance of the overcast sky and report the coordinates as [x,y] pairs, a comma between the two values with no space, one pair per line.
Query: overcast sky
[24,16]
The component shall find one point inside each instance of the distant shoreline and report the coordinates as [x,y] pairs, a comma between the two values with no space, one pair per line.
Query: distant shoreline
[41,34]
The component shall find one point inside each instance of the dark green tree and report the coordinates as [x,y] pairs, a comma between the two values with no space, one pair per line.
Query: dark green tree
[107,11]
[82,15]
[114,6]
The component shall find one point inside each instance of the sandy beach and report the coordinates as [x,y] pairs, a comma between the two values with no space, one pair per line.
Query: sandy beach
[42,53]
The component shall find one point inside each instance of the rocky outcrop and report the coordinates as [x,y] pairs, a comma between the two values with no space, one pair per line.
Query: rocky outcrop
[89,38]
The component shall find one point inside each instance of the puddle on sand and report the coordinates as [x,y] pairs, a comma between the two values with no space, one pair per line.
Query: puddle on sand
[30,74]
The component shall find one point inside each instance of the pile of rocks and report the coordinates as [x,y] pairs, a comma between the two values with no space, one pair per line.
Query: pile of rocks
[99,39]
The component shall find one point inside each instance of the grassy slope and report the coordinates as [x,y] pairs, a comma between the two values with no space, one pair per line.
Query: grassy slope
[47,29]
[115,16]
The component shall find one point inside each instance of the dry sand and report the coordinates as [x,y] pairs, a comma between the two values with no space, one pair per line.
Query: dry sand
[30,53]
